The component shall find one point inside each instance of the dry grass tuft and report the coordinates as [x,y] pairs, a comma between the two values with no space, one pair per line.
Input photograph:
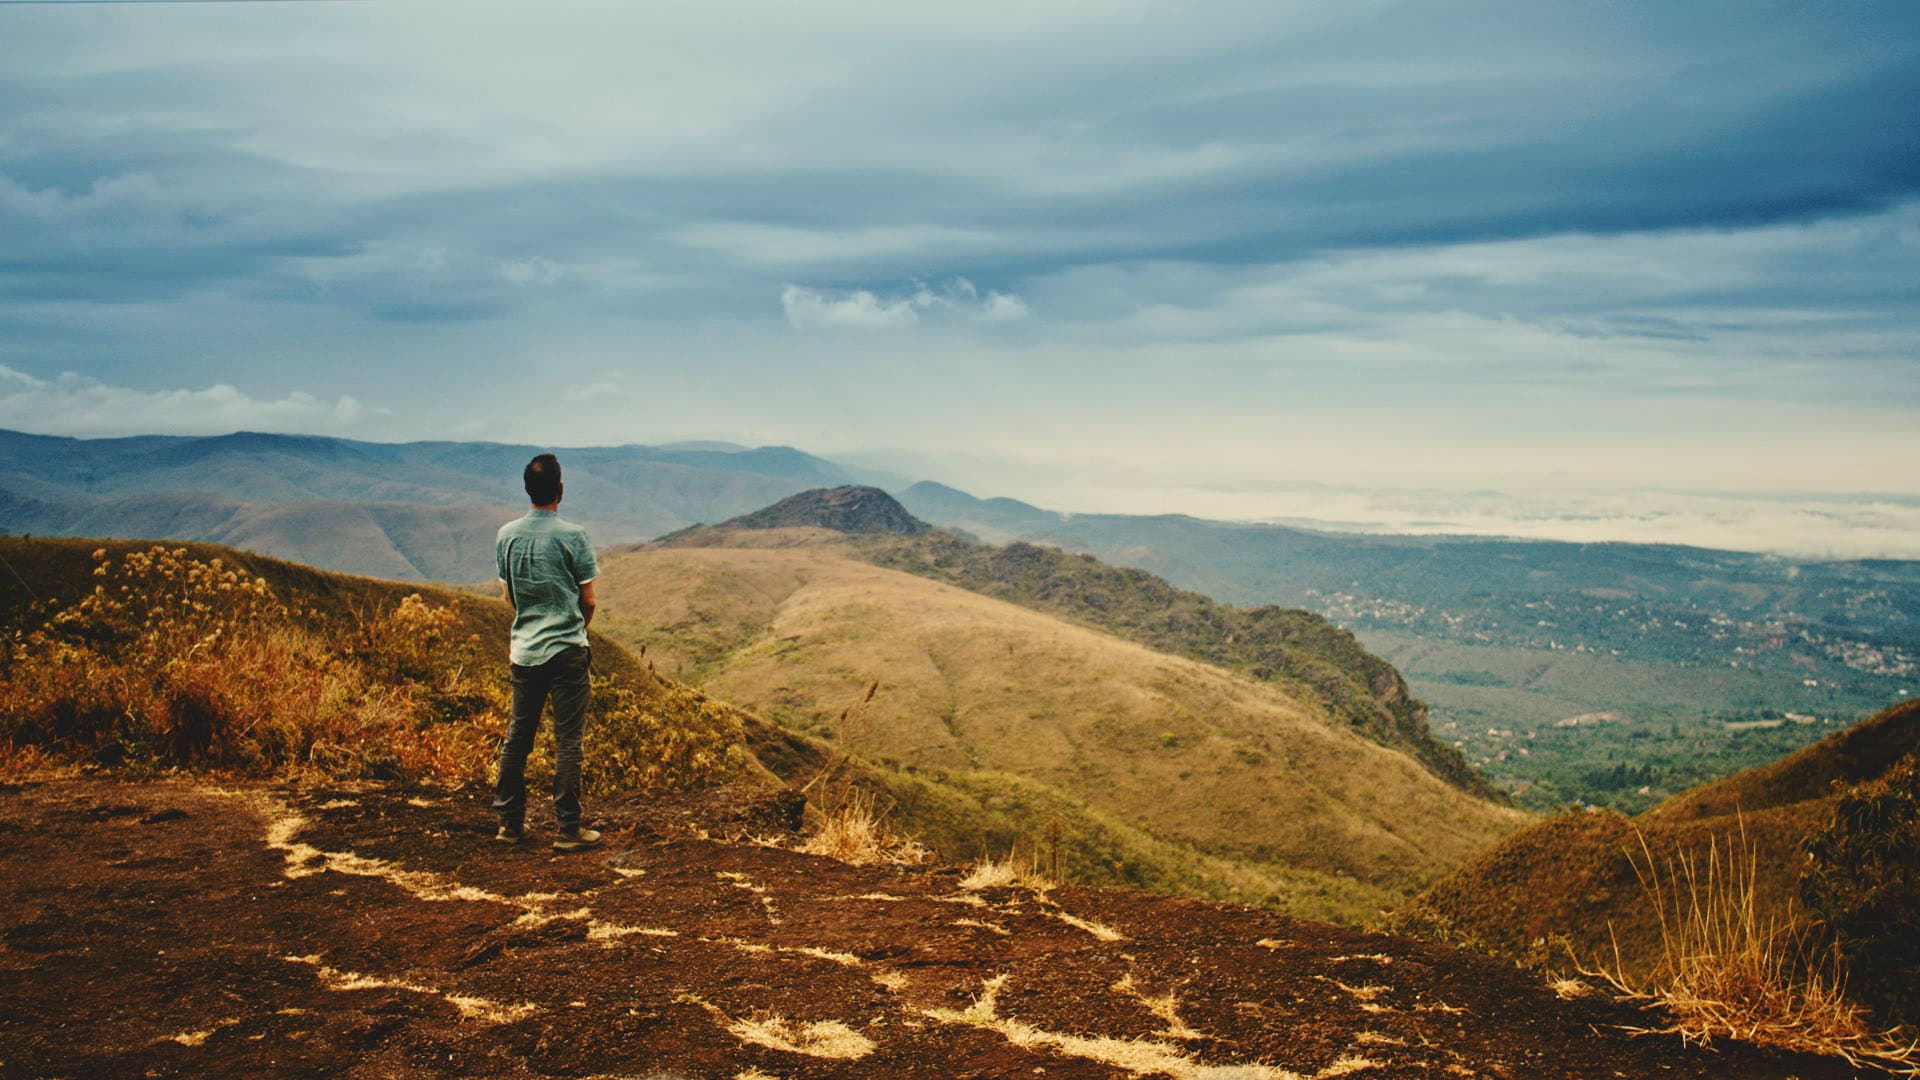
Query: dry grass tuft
[1725,971]
[1570,989]
[860,831]
[822,1039]
[988,874]
[849,822]
[991,873]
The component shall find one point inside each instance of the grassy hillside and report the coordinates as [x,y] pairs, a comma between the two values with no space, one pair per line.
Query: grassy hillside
[1699,656]
[160,656]
[1571,879]
[1176,773]
[1286,646]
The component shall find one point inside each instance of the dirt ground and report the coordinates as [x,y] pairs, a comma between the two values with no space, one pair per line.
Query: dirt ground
[179,928]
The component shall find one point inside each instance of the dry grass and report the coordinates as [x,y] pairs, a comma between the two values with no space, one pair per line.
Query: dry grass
[850,822]
[174,657]
[978,690]
[860,831]
[174,660]
[822,1039]
[990,873]
[1140,1057]
[1729,969]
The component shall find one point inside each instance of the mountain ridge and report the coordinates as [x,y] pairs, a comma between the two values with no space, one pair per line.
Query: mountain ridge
[1176,773]
[1267,643]
[850,510]
[372,508]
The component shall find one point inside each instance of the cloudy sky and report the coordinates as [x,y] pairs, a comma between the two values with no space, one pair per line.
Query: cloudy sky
[1102,255]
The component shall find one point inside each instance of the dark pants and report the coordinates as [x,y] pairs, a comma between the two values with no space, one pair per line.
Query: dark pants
[566,679]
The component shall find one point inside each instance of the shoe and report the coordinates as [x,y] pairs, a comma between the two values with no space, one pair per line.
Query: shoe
[576,839]
[511,834]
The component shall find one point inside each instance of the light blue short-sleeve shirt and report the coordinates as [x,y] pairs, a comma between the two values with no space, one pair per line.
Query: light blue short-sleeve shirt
[543,561]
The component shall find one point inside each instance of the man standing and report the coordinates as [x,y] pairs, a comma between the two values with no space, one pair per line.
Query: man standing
[546,570]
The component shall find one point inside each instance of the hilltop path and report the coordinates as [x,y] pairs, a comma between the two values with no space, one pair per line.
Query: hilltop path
[177,928]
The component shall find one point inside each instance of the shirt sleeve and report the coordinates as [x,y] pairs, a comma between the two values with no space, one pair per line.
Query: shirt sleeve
[585,566]
[500,559]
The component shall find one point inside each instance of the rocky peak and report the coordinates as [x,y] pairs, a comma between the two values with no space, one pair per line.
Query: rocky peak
[853,509]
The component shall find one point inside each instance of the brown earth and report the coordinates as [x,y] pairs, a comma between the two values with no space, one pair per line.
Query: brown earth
[179,928]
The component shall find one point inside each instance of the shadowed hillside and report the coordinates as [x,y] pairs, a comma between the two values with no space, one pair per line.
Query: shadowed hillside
[852,510]
[1572,878]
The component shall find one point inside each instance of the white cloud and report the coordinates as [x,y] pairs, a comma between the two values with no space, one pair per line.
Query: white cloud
[865,309]
[1003,307]
[74,404]
[858,308]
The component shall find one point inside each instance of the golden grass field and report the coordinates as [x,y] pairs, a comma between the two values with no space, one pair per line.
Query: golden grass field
[989,703]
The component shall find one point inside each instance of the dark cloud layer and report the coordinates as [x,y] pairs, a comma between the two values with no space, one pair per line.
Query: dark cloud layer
[1505,123]
[713,211]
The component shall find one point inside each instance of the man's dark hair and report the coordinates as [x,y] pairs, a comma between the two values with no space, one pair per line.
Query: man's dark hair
[542,479]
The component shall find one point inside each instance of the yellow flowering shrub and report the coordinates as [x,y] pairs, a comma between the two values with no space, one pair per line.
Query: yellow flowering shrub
[177,661]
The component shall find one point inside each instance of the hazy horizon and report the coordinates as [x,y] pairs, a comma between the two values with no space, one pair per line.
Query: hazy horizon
[1798,525]
[1350,262]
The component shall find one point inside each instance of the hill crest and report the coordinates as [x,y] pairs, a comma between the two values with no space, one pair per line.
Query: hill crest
[851,509]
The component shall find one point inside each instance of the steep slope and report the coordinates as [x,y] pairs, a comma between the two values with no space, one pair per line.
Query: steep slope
[1005,704]
[1289,647]
[1571,878]
[1518,645]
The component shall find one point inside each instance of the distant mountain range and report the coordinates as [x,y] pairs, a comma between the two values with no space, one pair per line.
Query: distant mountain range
[411,511]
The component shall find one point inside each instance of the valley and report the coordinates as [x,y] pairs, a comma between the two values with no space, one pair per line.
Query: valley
[1689,648]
